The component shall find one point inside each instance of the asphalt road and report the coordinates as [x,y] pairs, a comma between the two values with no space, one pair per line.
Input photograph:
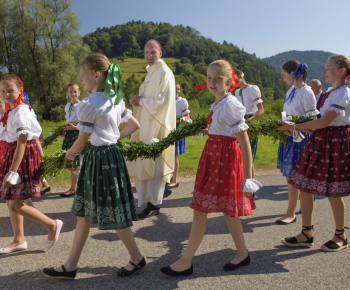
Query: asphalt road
[162,240]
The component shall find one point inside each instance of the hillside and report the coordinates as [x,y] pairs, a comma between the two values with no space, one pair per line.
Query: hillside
[315,60]
[193,52]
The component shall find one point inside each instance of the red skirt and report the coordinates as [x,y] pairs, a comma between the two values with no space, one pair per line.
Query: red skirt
[3,146]
[219,177]
[29,172]
[323,167]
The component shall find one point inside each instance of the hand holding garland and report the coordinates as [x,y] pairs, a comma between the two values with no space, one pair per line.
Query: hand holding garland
[57,132]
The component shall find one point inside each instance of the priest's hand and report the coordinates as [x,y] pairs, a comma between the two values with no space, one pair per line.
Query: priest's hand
[134,100]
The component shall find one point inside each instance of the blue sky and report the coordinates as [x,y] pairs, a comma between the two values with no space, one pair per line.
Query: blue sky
[263,27]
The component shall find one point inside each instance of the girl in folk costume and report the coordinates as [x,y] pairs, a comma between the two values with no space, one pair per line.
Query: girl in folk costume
[19,169]
[250,97]
[224,172]
[71,133]
[300,101]
[183,112]
[323,167]
[104,195]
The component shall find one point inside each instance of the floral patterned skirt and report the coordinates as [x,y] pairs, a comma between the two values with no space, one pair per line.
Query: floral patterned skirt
[3,147]
[104,194]
[29,172]
[324,165]
[219,177]
[70,137]
[288,154]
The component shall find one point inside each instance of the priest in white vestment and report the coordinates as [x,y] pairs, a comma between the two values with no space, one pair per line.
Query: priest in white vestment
[155,110]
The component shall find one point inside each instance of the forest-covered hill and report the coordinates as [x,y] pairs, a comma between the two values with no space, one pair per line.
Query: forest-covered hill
[194,52]
[315,59]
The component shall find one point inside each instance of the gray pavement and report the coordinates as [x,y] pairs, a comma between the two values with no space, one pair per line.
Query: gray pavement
[162,239]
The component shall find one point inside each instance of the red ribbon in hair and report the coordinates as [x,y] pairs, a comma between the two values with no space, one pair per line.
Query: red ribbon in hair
[8,107]
[232,86]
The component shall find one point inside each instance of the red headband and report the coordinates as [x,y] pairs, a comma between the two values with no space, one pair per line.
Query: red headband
[232,86]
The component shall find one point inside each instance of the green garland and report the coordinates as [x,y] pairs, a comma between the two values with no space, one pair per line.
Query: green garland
[54,135]
[268,127]
[51,165]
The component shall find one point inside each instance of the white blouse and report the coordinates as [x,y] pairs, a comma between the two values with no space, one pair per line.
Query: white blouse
[338,101]
[303,103]
[251,97]
[181,106]
[71,114]
[22,120]
[98,118]
[228,117]
[2,131]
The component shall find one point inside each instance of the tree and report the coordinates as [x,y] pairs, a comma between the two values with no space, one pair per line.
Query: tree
[39,42]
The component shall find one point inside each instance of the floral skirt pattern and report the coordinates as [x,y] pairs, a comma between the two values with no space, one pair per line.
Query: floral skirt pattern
[29,172]
[288,154]
[70,137]
[219,177]
[104,194]
[324,165]
[3,147]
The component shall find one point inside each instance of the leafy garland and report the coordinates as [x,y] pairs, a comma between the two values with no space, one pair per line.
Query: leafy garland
[51,165]
[54,135]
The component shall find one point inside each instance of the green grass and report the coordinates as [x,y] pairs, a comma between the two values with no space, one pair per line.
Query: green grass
[137,66]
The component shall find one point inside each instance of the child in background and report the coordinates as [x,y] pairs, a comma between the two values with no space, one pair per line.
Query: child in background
[183,112]
[71,134]
[250,97]
[22,164]
[323,166]
[104,194]
[223,171]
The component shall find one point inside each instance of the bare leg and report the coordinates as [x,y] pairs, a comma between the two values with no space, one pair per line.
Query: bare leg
[128,239]
[44,184]
[293,195]
[198,228]
[307,207]
[29,202]
[80,236]
[34,215]
[17,227]
[235,227]
[338,208]
[74,179]
[175,173]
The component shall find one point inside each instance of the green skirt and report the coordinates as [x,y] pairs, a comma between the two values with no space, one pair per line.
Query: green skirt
[104,195]
[70,137]
[253,142]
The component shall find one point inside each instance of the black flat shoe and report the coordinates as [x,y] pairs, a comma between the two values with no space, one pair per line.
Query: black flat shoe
[293,242]
[53,273]
[170,272]
[173,186]
[231,267]
[125,273]
[149,211]
[67,195]
[42,192]
[282,222]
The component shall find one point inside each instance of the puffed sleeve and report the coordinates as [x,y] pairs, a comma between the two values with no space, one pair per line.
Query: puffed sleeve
[125,113]
[308,101]
[255,95]
[234,114]
[25,122]
[184,107]
[66,109]
[86,114]
[339,101]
